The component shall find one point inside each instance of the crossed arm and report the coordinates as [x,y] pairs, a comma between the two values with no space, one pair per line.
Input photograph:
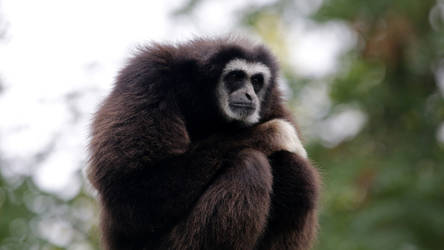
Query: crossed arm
[218,195]
[264,198]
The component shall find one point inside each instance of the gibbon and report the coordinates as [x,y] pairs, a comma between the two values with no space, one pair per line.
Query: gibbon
[194,149]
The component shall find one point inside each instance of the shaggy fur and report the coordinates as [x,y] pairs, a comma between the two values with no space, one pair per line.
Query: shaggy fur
[173,173]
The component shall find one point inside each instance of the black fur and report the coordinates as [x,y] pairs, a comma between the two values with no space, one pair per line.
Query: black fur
[173,173]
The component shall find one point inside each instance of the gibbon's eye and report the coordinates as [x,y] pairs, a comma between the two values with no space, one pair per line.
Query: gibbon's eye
[234,79]
[235,75]
[258,81]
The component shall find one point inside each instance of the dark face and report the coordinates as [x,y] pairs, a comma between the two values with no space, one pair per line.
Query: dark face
[241,90]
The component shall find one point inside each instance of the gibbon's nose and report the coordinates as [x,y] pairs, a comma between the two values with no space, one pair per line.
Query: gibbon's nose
[242,98]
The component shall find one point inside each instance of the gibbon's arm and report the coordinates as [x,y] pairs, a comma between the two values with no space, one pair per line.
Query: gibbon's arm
[147,172]
[292,220]
[233,210]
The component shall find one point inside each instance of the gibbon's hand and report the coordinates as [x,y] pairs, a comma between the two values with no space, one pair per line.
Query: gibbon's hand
[276,135]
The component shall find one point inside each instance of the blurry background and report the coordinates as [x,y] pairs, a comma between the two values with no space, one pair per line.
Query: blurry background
[365,80]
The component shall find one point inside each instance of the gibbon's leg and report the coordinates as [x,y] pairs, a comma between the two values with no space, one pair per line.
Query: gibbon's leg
[232,212]
[292,222]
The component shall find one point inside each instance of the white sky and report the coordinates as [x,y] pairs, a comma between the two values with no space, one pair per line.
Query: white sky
[59,50]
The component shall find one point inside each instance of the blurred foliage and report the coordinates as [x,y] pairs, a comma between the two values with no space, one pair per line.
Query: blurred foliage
[384,188]
[32,219]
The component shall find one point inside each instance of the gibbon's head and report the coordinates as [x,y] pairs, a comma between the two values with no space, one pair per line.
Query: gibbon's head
[241,89]
[242,76]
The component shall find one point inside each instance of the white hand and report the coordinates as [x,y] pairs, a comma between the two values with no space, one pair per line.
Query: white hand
[287,138]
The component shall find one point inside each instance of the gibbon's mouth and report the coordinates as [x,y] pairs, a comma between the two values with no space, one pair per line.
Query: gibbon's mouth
[243,105]
[242,109]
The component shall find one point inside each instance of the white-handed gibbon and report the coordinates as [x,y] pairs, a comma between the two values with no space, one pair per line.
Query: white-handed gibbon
[194,149]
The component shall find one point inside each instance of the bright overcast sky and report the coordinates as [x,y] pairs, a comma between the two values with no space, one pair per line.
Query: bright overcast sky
[56,51]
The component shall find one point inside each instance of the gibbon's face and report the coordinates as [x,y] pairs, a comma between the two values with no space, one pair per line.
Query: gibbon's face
[241,89]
